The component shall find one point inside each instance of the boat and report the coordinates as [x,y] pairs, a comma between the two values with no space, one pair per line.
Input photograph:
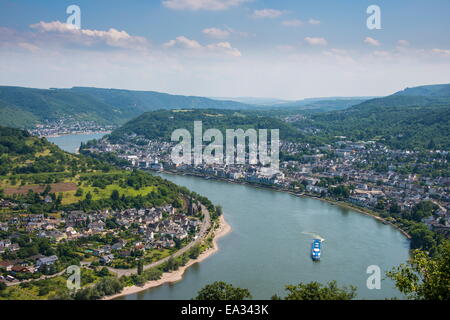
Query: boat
[316,249]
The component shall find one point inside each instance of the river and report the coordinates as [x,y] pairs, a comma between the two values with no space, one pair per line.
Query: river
[269,246]
[71,143]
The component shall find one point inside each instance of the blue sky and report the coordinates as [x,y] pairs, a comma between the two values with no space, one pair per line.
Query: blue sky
[288,49]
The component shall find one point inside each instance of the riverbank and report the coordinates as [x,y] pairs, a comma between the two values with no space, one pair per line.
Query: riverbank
[366,212]
[57,135]
[341,204]
[177,275]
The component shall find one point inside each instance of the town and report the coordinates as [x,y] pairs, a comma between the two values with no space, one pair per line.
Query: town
[67,125]
[117,239]
[364,174]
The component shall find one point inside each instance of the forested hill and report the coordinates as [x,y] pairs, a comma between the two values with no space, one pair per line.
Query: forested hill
[25,107]
[21,153]
[161,124]
[433,95]
[410,119]
[142,101]
[32,167]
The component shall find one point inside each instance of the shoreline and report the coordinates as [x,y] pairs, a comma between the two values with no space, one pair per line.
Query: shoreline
[177,275]
[57,135]
[341,204]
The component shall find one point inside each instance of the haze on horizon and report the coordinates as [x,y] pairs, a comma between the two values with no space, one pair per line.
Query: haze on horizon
[227,48]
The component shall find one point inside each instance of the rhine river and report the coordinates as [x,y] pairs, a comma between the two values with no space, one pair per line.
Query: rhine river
[72,142]
[269,246]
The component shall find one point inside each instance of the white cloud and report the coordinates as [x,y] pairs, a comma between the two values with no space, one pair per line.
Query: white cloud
[372,41]
[220,47]
[224,47]
[183,42]
[54,26]
[194,5]
[316,41]
[70,33]
[292,23]
[403,43]
[216,33]
[314,21]
[267,13]
[444,52]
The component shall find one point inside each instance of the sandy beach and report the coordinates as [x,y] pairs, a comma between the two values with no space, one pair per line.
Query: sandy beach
[177,275]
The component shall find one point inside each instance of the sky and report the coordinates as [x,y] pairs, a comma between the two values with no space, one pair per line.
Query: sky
[287,49]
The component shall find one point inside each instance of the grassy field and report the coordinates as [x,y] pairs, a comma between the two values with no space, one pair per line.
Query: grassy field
[69,186]
[97,193]
[45,289]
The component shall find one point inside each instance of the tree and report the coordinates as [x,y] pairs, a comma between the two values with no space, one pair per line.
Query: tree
[424,277]
[103,272]
[194,252]
[2,286]
[222,291]
[79,192]
[140,267]
[317,291]
[47,190]
[115,196]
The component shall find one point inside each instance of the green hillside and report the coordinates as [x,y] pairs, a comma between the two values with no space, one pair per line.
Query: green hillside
[161,124]
[410,119]
[25,107]
[142,101]
[32,163]
[29,106]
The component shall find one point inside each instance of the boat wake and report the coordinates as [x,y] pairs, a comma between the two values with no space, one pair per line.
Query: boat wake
[314,235]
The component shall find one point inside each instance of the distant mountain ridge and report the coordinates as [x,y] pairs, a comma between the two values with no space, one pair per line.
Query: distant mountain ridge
[416,96]
[436,90]
[25,107]
[413,118]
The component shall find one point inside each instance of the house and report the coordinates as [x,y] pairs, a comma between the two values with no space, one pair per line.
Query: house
[22,269]
[5,244]
[106,259]
[98,226]
[46,261]
[119,245]
[125,253]
[7,265]
[14,247]
[315,189]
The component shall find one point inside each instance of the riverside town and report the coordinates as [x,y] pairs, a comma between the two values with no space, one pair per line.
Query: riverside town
[215,159]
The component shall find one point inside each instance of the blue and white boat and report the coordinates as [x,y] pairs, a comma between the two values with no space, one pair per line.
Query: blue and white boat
[316,249]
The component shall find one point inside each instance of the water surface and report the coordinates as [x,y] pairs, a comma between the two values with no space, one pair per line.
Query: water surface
[71,143]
